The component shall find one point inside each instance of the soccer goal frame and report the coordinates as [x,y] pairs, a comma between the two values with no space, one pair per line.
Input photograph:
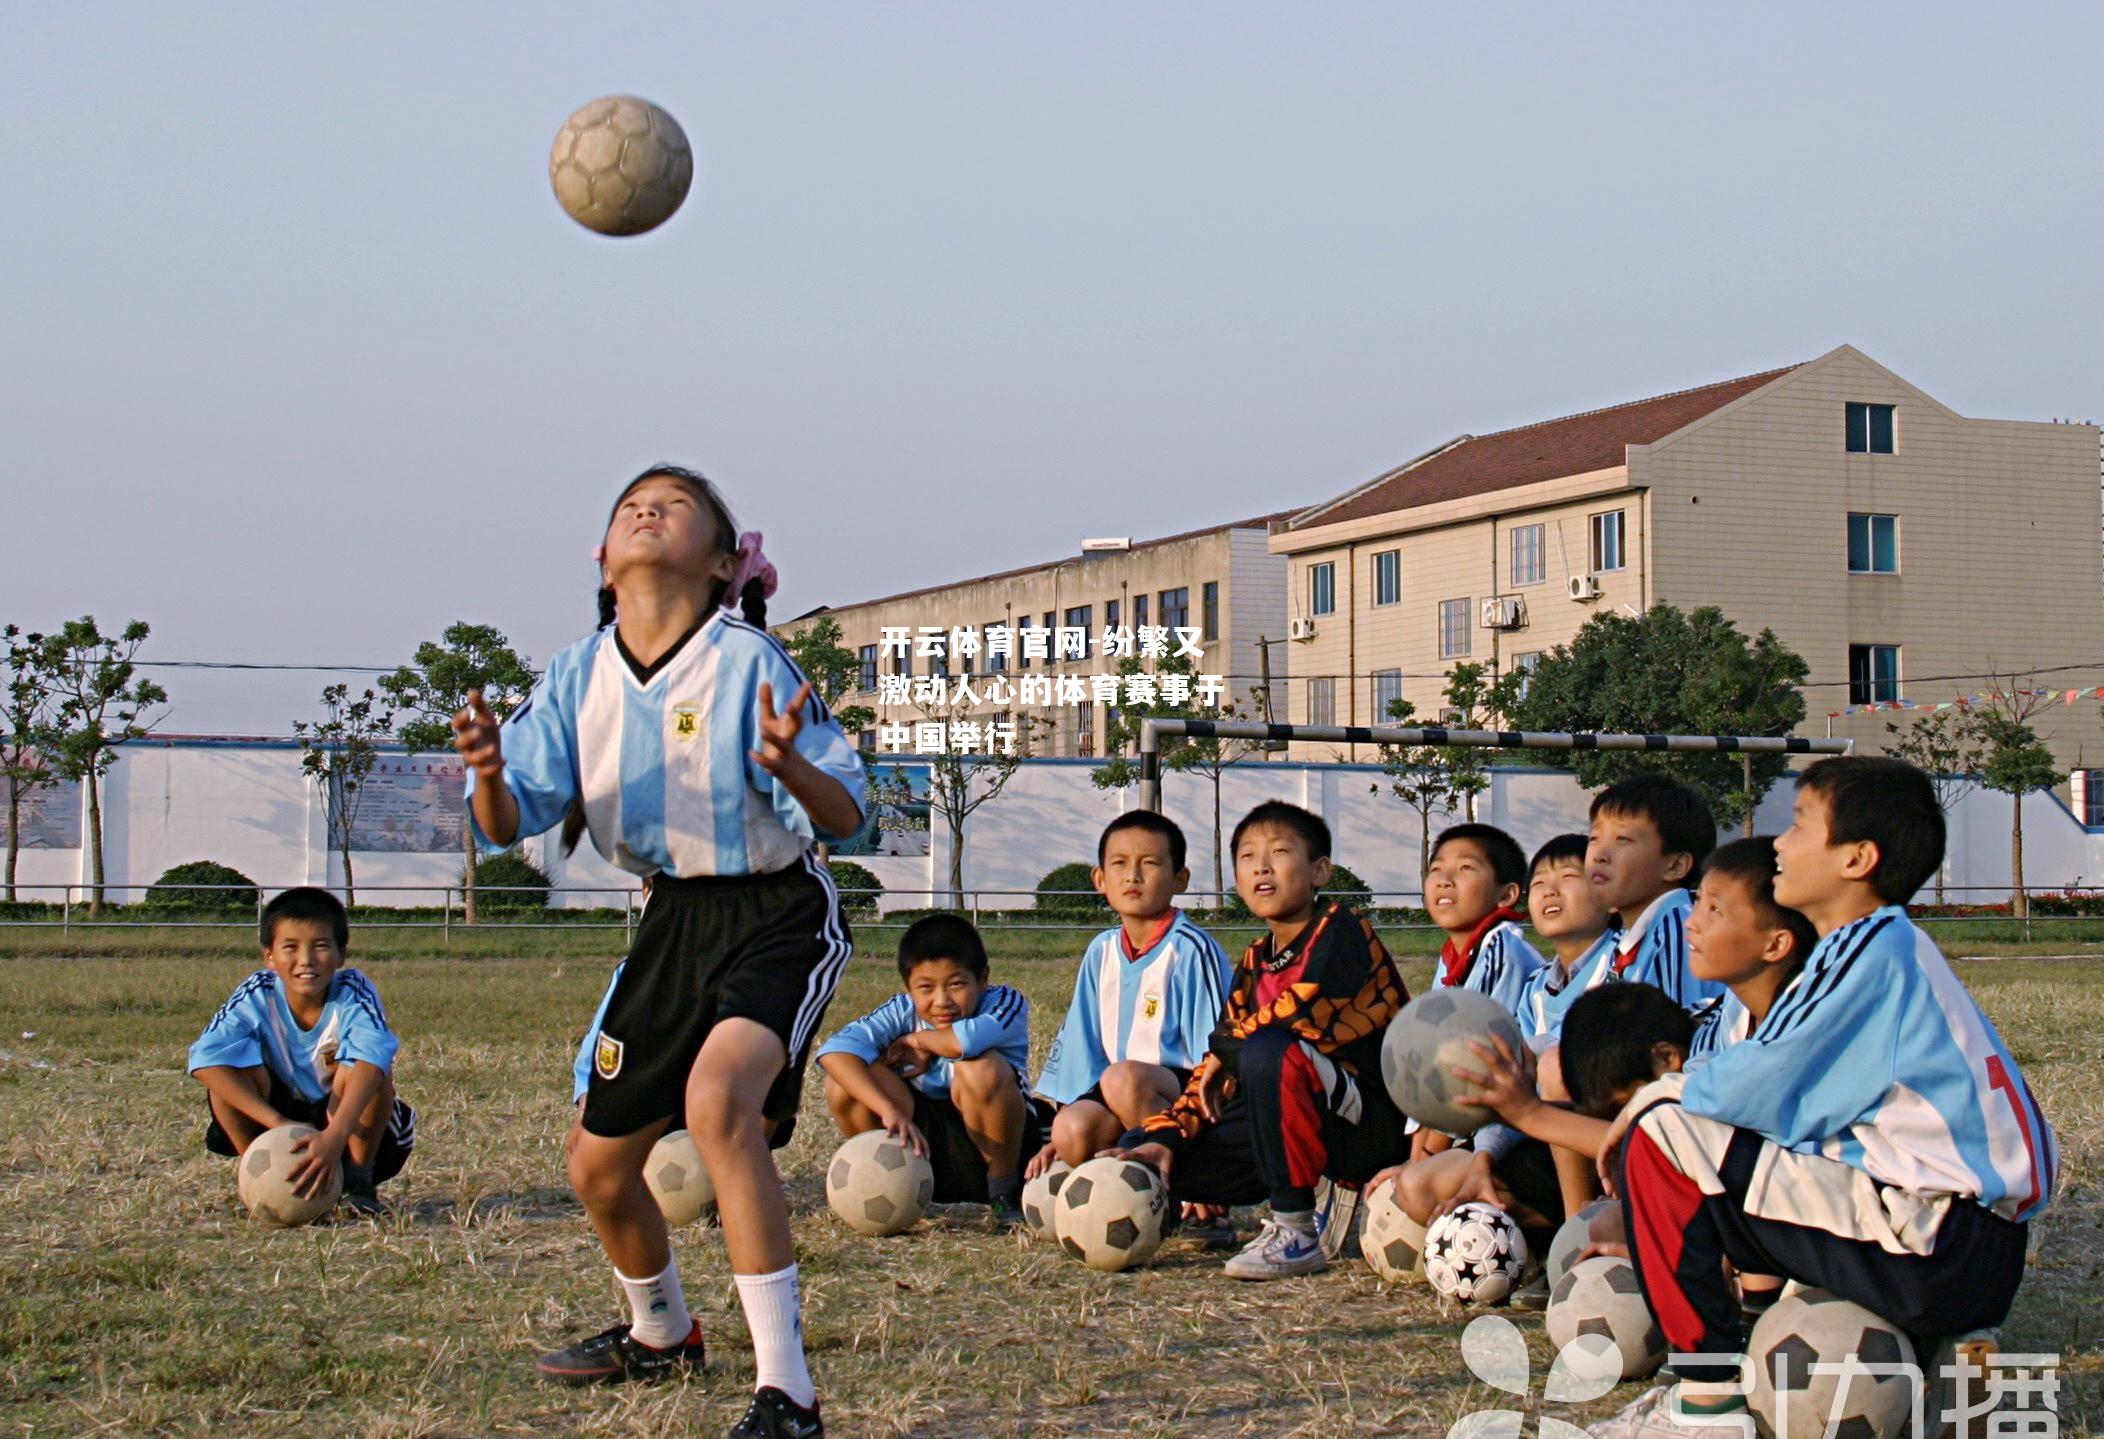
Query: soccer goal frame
[1153,728]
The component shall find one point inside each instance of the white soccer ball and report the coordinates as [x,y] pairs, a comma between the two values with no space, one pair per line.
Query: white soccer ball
[1392,1243]
[621,166]
[1039,1210]
[1600,1301]
[1109,1213]
[1809,1326]
[877,1185]
[265,1179]
[1572,1236]
[676,1179]
[1432,1033]
[1475,1254]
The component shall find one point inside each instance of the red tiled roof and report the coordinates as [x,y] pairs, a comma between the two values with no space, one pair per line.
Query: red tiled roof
[1551,449]
[1260,522]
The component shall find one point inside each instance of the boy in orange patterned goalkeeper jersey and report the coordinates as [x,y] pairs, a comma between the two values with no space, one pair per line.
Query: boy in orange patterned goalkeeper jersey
[1289,1093]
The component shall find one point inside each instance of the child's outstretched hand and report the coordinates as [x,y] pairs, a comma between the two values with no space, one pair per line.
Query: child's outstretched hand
[1157,1157]
[1505,1082]
[1040,1162]
[1477,1187]
[475,735]
[778,730]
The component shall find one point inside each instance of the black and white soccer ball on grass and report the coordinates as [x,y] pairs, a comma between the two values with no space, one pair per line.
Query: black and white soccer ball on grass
[1475,1254]
[1110,1212]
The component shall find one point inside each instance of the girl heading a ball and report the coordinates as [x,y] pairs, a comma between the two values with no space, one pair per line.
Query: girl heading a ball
[688,743]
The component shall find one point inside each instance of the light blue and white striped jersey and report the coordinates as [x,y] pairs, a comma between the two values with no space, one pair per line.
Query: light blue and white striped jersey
[1001,1025]
[1549,993]
[1502,965]
[1719,1024]
[1654,950]
[661,756]
[1877,1056]
[256,1026]
[581,1067]
[1158,1006]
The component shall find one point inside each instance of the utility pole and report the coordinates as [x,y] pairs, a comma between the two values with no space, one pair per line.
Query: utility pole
[1269,746]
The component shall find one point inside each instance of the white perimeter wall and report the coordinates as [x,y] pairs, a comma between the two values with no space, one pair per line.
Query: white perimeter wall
[246,804]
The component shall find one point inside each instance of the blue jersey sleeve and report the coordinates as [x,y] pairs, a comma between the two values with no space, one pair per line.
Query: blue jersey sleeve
[821,741]
[1198,981]
[1822,1060]
[868,1037]
[1503,966]
[1077,1060]
[366,1037]
[233,1037]
[581,1067]
[540,753]
[1002,1023]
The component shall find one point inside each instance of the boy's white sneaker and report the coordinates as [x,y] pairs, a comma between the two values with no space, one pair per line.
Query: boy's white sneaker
[1278,1252]
[1654,1415]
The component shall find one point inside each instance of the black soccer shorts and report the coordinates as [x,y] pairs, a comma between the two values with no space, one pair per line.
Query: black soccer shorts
[396,1140]
[768,947]
[960,1170]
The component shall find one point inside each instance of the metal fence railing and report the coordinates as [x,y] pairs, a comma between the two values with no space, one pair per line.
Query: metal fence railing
[66,907]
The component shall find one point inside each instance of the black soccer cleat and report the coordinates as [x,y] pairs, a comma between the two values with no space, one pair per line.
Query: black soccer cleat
[614,1354]
[774,1415]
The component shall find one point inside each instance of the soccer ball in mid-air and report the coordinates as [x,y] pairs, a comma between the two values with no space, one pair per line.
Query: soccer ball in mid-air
[1475,1254]
[1039,1209]
[676,1179]
[1392,1242]
[1431,1034]
[1599,1301]
[621,166]
[1810,1326]
[1572,1236]
[1109,1213]
[265,1179]
[877,1185]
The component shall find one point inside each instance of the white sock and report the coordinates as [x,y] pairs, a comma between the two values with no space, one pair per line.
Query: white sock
[776,1320]
[658,1308]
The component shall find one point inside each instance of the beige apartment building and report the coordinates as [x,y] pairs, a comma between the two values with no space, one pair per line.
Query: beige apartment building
[1223,582]
[1892,542]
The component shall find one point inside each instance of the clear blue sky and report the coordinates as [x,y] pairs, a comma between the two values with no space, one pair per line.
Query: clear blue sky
[303,361]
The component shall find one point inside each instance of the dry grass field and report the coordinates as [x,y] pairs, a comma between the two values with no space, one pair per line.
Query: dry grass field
[139,1299]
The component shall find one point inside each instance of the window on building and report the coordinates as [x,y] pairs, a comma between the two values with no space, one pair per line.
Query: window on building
[868,677]
[1176,608]
[1387,689]
[1085,730]
[1523,665]
[866,741]
[1454,631]
[902,663]
[1081,617]
[1528,567]
[1110,614]
[1139,611]
[995,664]
[1322,588]
[1209,610]
[1869,429]
[1322,701]
[2088,786]
[1607,541]
[1873,674]
[1388,577]
[1050,638]
[1873,544]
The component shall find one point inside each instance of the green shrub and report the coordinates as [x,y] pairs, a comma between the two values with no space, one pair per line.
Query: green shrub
[510,881]
[1069,876]
[849,876]
[203,871]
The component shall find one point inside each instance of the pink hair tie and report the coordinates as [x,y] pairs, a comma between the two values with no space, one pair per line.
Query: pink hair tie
[599,554]
[752,565]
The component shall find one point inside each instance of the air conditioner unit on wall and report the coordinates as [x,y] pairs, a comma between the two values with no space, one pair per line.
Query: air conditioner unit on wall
[1300,629]
[1504,612]
[1585,587]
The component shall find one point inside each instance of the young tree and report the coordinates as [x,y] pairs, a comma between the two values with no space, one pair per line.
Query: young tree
[1472,702]
[1421,776]
[2015,762]
[434,686]
[1181,754]
[100,701]
[337,752]
[28,732]
[1945,745]
[1666,672]
[958,783]
[835,671]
